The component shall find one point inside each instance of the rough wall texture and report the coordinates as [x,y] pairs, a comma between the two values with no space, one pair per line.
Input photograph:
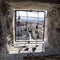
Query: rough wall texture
[4,28]
[54,26]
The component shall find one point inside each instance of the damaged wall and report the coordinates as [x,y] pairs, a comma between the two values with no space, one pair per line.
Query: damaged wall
[53,11]
[53,17]
[54,26]
[4,28]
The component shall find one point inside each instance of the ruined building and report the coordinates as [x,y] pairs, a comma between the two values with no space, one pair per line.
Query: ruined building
[32,48]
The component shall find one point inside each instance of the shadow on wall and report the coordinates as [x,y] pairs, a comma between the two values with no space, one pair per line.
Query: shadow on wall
[30,56]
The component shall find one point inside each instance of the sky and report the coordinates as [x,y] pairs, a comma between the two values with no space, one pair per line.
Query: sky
[30,14]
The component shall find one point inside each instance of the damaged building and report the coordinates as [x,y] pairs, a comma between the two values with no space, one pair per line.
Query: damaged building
[29,29]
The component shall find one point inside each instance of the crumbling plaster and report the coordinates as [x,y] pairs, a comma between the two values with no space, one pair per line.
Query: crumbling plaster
[54,26]
[53,16]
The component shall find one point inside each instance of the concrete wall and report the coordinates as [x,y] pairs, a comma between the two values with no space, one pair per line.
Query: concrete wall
[53,19]
[54,26]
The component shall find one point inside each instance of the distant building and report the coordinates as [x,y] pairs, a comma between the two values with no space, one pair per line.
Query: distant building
[19,23]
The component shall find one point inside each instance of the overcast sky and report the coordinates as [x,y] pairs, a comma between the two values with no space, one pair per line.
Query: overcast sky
[30,14]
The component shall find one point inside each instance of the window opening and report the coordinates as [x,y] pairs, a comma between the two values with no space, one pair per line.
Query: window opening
[29,25]
[29,29]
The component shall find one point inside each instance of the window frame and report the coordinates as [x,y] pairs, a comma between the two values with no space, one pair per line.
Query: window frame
[14,22]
